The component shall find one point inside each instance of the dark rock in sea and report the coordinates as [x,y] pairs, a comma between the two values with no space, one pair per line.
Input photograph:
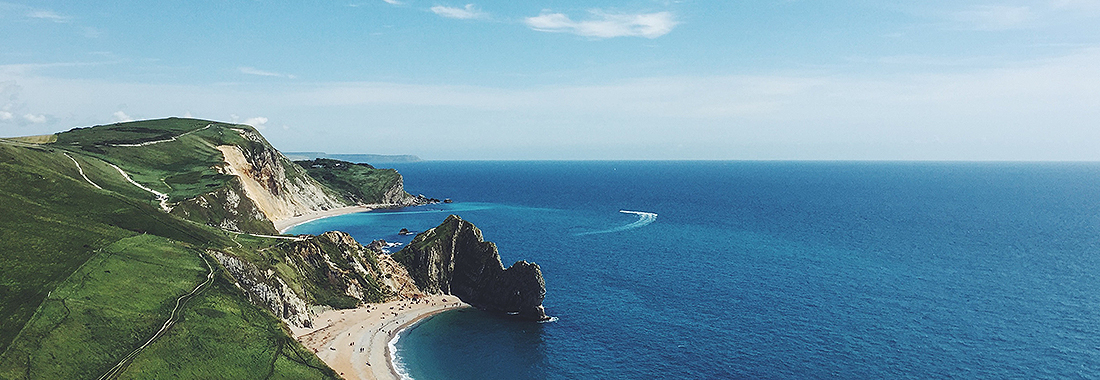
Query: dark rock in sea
[420,200]
[448,200]
[376,246]
[404,231]
[453,258]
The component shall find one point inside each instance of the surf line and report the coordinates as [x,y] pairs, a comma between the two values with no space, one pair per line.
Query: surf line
[644,218]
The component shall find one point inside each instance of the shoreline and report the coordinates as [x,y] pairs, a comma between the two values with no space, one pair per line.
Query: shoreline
[356,342]
[285,224]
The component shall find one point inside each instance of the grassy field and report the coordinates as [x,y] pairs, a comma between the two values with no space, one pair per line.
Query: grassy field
[110,305]
[181,168]
[89,274]
[40,139]
[222,336]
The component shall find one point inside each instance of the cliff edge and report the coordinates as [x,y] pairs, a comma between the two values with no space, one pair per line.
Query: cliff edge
[453,258]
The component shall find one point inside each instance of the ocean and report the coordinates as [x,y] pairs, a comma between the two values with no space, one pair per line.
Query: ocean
[768,270]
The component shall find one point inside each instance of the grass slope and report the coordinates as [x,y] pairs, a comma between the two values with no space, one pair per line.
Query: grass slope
[54,221]
[222,336]
[109,306]
[180,160]
[88,274]
[360,183]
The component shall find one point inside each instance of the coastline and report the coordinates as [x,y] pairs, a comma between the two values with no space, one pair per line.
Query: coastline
[285,224]
[355,342]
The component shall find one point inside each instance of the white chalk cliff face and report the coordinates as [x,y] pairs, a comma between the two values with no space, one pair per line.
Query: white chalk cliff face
[278,187]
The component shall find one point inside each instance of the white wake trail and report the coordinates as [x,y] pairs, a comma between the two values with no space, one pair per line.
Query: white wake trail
[644,218]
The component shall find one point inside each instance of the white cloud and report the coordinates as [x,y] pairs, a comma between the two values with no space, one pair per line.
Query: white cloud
[37,119]
[257,122]
[994,17]
[263,73]
[606,25]
[5,115]
[48,15]
[1041,109]
[394,2]
[122,116]
[467,13]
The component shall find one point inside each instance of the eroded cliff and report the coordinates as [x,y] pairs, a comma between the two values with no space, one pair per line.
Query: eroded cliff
[279,188]
[453,258]
[330,270]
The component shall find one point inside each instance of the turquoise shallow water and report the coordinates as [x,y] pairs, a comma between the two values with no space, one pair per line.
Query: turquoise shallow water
[769,269]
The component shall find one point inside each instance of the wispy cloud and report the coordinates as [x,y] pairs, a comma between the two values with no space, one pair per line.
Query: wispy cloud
[394,2]
[259,122]
[469,12]
[36,119]
[994,17]
[122,116]
[5,115]
[48,15]
[606,25]
[254,71]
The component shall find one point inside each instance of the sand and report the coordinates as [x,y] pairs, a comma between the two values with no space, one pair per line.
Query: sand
[355,342]
[285,224]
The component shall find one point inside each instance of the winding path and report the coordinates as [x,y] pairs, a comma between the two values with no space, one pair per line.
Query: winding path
[174,138]
[81,170]
[172,318]
[162,197]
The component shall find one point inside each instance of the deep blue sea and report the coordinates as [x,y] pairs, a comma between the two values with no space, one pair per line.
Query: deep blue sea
[769,270]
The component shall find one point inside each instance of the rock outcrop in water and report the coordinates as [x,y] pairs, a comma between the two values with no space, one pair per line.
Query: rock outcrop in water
[453,258]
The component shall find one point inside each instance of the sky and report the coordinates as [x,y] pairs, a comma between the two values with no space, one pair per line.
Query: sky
[575,80]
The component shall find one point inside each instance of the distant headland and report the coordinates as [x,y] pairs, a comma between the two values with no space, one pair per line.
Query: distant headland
[354,157]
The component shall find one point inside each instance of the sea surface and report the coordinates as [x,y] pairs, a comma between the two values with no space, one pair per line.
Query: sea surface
[768,270]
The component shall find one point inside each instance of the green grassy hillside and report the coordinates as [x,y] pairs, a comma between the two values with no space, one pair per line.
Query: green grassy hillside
[361,183]
[92,267]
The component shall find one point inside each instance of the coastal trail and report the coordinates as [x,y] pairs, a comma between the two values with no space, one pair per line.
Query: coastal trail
[162,197]
[81,170]
[172,318]
[174,138]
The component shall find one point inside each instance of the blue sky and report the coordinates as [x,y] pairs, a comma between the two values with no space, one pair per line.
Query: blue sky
[557,79]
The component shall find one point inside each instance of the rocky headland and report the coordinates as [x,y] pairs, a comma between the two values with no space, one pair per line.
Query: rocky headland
[453,258]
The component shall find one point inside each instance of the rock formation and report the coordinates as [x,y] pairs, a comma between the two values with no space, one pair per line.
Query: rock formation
[279,188]
[453,258]
[328,270]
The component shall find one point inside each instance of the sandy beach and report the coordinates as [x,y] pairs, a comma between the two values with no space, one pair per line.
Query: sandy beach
[286,224]
[355,342]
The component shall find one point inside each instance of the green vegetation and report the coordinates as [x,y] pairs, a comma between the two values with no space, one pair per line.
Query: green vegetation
[222,336]
[52,223]
[291,261]
[359,183]
[180,160]
[40,139]
[109,306]
[425,240]
[89,274]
